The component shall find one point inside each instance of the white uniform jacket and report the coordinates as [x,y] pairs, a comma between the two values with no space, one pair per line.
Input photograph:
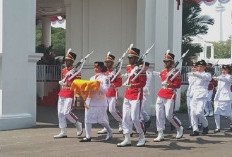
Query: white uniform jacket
[191,80]
[98,98]
[223,90]
[201,83]
[146,87]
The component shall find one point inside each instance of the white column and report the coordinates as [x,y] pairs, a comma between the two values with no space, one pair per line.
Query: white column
[18,64]
[46,31]
[74,26]
[175,36]
[145,37]
[67,4]
[212,52]
[160,22]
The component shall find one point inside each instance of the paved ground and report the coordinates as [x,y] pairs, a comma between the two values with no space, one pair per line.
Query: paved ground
[38,141]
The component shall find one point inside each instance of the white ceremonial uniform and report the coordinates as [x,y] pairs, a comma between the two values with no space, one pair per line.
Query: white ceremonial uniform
[200,96]
[146,93]
[189,94]
[208,107]
[64,111]
[223,99]
[97,112]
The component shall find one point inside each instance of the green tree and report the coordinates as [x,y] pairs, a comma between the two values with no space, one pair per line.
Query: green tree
[193,24]
[57,39]
[222,49]
[38,36]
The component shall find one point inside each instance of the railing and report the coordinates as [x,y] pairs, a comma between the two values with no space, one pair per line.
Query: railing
[184,77]
[48,73]
[52,73]
[186,69]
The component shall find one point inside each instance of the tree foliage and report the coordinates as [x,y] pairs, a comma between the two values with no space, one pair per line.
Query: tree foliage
[56,49]
[222,49]
[57,39]
[193,24]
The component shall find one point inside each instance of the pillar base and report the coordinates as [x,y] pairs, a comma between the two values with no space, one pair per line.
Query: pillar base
[17,121]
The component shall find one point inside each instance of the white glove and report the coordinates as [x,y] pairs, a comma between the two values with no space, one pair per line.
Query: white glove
[196,74]
[215,77]
[68,73]
[145,91]
[156,73]
[61,82]
[72,71]
[164,84]
[127,85]
[190,74]
[124,75]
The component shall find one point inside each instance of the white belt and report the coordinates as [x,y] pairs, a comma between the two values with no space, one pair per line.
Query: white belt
[65,87]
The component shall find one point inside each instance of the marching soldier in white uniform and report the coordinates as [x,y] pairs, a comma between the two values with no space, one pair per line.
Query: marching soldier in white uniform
[66,100]
[97,103]
[132,102]
[223,97]
[112,93]
[200,95]
[208,106]
[189,95]
[146,93]
[165,103]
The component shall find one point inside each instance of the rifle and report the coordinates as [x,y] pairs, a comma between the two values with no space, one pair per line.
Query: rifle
[118,67]
[74,72]
[171,72]
[216,69]
[139,62]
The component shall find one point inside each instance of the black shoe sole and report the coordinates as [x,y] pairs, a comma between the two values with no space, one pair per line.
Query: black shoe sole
[87,140]
[102,133]
[60,137]
[216,131]
[204,133]
[141,145]
[127,145]
[80,133]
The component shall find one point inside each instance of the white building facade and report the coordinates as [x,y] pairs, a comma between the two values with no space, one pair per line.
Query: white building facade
[99,25]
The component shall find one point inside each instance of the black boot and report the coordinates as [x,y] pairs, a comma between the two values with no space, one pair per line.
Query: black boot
[216,130]
[85,140]
[205,130]
[194,133]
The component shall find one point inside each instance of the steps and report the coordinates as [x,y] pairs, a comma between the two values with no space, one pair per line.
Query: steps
[51,99]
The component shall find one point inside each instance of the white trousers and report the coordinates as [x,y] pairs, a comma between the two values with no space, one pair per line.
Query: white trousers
[131,115]
[217,120]
[188,107]
[197,113]
[112,109]
[208,105]
[144,116]
[88,127]
[165,108]
[64,112]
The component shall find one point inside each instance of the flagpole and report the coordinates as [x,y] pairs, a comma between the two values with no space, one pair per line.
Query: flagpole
[231,37]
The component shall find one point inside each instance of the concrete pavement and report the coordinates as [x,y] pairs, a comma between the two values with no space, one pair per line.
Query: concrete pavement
[38,141]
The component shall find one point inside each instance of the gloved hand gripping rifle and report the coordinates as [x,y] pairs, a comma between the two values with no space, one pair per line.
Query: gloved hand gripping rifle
[140,61]
[117,69]
[171,72]
[75,71]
